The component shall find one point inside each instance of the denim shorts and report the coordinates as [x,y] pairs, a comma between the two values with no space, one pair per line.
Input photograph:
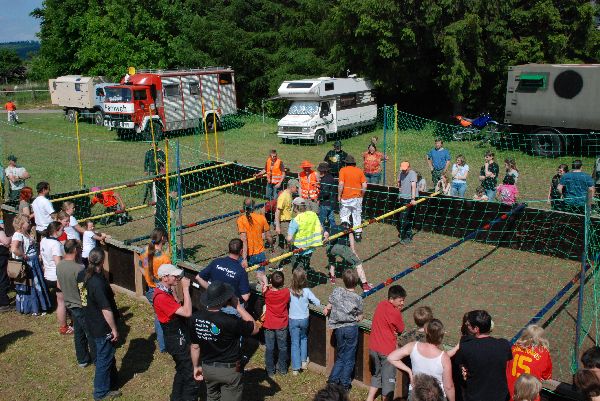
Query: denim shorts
[256,259]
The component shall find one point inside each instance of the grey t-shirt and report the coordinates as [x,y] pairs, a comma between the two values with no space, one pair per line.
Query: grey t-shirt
[345,308]
[66,272]
[405,179]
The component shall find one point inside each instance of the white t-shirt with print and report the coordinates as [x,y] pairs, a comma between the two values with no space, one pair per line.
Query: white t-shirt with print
[459,171]
[16,171]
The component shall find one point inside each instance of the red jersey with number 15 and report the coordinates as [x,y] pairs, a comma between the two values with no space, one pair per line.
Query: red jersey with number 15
[536,361]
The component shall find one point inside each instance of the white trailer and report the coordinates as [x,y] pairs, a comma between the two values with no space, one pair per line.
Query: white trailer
[326,107]
[79,94]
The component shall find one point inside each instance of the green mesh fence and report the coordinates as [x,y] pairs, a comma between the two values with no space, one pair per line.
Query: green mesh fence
[465,254]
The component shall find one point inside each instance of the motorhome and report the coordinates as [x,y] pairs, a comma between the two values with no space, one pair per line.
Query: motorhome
[323,108]
[81,95]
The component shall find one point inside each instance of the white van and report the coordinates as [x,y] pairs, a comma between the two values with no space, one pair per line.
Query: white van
[326,107]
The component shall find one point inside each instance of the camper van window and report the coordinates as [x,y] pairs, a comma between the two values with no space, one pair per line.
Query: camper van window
[78,87]
[139,95]
[329,86]
[325,110]
[100,92]
[225,79]
[118,95]
[171,90]
[194,88]
[299,85]
[347,101]
[304,108]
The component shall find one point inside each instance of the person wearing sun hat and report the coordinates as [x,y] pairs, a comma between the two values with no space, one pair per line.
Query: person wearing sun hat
[407,195]
[309,184]
[171,315]
[217,334]
[305,232]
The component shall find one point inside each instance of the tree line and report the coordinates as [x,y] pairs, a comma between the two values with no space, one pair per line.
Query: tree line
[430,56]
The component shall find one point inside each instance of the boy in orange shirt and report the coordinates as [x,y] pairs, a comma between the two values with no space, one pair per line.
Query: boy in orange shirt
[352,185]
[254,229]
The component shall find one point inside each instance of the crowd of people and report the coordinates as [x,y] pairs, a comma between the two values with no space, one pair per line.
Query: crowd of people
[65,276]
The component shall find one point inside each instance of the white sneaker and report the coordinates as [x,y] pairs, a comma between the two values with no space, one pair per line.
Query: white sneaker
[295,372]
[305,364]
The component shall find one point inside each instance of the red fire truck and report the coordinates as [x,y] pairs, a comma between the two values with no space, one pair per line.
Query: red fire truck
[174,100]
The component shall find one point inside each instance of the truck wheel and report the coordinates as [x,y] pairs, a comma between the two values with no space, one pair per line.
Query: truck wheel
[320,137]
[210,123]
[355,132]
[99,118]
[546,143]
[71,115]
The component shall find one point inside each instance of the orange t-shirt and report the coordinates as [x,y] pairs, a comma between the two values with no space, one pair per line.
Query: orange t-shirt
[159,259]
[372,162]
[535,361]
[253,232]
[353,178]
[10,106]
[108,199]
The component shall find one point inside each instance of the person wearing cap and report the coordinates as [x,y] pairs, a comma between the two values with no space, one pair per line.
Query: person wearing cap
[352,185]
[254,230]
[283,213]
[16,176]
[112,203]
[327,196]
[305,232]
[274,172]
[215,337]
[171,315]
[335,158]
[439,160]
[407,183]
[309,184]
[154,164]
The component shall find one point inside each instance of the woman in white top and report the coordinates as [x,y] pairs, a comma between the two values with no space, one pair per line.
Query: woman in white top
[460,172]
[73,230]
[52,253]
[32,295]
[427,358]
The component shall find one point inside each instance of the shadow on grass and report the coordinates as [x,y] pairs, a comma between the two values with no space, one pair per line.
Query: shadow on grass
[7,339]
[258,386]
[138,358]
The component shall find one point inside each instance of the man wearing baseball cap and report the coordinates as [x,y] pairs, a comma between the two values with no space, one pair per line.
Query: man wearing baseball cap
[407,195]
[352,185]
[171,315]
[217,334]
[16,177]
[336,158]
[305,232]
[274,172]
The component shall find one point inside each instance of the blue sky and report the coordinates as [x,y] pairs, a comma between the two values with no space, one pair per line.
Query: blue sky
[15,22]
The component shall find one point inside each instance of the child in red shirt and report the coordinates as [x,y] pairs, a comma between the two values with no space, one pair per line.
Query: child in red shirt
[387,324]
[277,299]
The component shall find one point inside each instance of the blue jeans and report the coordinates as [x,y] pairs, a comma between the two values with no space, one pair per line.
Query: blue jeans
[458,189]
[299,342]
[85,346]
[271,338]
[373,178]
[271,192]
[491,194]
[157,327]
[346,342]
[326,215]
[106,368]
[256,259]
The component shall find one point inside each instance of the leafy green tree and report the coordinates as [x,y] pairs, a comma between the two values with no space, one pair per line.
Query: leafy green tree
[11,66]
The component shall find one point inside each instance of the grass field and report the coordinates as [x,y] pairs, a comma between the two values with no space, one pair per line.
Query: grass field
[512,285]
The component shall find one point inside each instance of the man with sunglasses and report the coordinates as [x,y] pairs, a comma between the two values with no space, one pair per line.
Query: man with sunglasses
[171,315]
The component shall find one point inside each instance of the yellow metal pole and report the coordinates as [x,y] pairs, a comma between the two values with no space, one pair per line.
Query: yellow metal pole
[168,189]
[215,127]
[366,223]
[79,150]
[153,142]
[130,209]
[231,184]
[205,131]
[396,142]
[136,183]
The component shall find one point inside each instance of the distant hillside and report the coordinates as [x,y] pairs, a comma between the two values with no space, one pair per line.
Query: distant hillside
[24,49]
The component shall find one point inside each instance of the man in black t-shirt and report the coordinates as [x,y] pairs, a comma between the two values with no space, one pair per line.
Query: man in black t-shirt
[215,339]
[483,359]
[336,158]
[327,196]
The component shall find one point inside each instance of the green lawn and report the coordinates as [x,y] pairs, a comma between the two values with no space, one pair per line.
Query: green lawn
[46,144]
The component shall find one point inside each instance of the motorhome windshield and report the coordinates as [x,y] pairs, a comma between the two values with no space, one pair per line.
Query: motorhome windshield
[118,94]
[304,108]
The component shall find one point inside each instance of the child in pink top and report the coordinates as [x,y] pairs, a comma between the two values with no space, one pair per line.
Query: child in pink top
[507,192]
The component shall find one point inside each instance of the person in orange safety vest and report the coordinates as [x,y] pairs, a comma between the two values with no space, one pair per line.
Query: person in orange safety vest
[309,184]
[274,171]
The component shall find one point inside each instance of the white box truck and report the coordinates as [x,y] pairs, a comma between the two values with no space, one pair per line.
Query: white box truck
[326,107]
[554,107]
[84,95]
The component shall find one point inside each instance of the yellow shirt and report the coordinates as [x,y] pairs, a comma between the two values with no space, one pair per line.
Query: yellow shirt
[284,203]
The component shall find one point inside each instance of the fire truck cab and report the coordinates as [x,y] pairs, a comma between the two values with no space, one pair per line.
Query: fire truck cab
[158,102]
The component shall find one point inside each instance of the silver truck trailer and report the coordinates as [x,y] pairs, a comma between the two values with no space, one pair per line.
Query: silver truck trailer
[78,94]
[554,106]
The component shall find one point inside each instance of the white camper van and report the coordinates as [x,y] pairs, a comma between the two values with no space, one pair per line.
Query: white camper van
[325,107]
